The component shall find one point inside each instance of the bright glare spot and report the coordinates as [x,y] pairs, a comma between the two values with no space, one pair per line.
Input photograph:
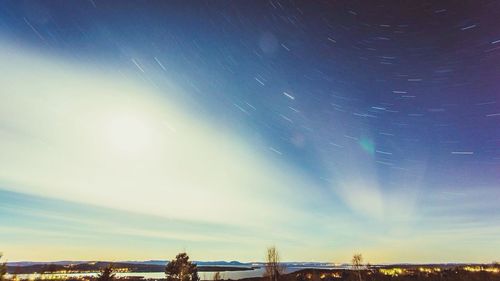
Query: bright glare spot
[128,132]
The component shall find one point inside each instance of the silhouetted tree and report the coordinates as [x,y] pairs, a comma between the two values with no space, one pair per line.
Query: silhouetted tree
[274,269]
[106,274]
[357,263]
[3,269]
[217,276]
[181,269]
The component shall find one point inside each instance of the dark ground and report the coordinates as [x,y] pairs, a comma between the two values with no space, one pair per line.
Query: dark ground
[449,274]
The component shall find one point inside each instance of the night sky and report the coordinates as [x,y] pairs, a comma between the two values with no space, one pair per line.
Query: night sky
[324,128]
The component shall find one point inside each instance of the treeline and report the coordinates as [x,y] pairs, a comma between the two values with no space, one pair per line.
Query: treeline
[453,274]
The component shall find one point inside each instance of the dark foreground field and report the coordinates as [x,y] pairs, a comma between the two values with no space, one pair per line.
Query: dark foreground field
[377,274]
[402,272]
[393,274]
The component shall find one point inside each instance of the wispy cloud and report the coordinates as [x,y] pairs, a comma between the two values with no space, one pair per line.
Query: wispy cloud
[84,135]
[90,136]
[105,159]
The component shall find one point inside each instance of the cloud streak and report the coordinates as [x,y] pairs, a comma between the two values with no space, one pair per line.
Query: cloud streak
[91,136]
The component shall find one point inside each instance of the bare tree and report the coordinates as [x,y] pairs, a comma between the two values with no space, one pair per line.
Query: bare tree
[357,264]
[3,269]
[274,269]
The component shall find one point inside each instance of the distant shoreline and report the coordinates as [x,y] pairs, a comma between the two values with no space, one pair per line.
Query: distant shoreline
[119,267]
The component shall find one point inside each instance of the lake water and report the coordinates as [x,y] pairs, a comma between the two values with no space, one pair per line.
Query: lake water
[258,272]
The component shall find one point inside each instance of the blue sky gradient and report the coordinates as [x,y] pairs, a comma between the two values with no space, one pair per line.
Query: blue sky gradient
[133,130]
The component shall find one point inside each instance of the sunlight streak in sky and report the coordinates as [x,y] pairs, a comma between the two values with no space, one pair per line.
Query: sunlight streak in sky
[124,146]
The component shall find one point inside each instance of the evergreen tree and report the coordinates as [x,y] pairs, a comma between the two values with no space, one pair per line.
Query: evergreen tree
[106,274]
[181,269]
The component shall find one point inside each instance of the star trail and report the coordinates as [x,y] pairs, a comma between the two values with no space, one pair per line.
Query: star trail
[339,125]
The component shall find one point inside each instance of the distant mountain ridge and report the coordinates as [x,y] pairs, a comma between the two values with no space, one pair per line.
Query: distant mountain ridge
[212,263]
[164,262]
[148,262]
